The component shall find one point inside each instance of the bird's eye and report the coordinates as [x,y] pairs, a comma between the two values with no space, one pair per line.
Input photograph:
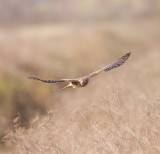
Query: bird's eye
[84,82]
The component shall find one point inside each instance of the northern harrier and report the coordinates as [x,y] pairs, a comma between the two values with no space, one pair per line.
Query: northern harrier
[83,81]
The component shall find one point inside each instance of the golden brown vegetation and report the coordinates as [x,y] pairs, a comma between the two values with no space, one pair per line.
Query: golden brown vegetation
[117,113]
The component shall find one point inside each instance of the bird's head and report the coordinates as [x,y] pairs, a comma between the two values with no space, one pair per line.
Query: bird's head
[84,82]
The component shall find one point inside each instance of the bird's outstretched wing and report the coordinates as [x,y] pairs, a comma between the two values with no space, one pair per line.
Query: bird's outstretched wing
[113,65]
[52,81]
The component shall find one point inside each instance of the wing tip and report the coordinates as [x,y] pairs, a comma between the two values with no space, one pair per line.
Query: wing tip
[128,54]
[32,78]
[29,77]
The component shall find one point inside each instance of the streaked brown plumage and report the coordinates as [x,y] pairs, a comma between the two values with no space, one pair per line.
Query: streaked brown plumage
[83,81]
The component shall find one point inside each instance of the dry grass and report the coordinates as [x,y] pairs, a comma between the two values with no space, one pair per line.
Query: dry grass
[118,113]
[113,118]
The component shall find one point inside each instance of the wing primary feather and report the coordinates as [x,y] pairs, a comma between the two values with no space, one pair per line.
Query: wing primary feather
[46,81]
[117,63]
[113,65]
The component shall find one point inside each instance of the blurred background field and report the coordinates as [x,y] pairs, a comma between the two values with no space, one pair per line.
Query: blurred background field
[118,113]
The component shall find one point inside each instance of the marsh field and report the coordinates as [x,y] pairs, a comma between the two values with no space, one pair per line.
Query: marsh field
[118,112]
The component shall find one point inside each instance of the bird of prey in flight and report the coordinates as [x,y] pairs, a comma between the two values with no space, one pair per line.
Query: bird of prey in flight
[83,81]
